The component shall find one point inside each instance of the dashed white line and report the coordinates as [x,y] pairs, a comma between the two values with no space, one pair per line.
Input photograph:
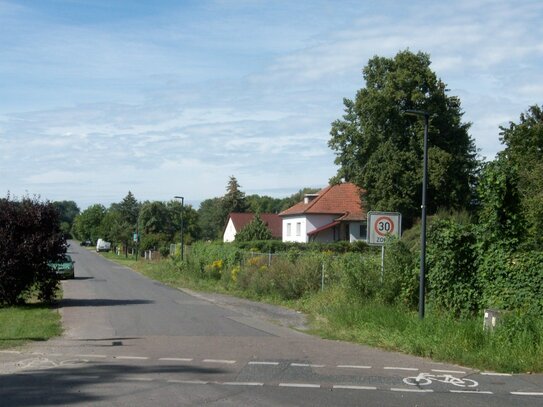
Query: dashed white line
[138,379]
[448,371]
[412,390]
[254,362]
[223,361]
[15,352]
[400,368]
[301,385]
[305,365]
[176,359]
[188,381]
[351,387]
[353,367]
[132,357]
[242,384]
[471,392]
[92,356]
[527,393]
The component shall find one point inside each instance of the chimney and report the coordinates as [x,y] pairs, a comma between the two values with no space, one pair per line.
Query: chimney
[309,197]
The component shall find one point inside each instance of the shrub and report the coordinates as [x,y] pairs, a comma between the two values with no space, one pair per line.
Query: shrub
[452,274]
[31,238]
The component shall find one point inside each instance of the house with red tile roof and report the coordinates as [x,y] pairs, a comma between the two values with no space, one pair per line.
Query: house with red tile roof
[334,213]
[237,221]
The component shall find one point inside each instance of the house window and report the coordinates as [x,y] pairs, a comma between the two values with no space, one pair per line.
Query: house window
[298,228]
[288,229]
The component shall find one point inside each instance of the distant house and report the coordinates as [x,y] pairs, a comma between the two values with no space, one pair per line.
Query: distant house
[237,221]
[334,213]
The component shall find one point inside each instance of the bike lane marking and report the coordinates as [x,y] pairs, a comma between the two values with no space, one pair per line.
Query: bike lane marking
[527,393]
[448,371]
[471,391]
[495,374]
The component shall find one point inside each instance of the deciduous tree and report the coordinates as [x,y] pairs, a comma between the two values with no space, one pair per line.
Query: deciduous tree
[380,149]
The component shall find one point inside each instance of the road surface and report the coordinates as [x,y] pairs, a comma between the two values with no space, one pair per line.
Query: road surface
[130,341]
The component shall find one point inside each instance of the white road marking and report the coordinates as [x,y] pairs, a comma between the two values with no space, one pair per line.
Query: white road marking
[353,367]
[349,387]
[495,374]
[471,392]
[263,363]
[400,368]
[177,359]
[301,385]
[138,379]
[412,390]
[188,381]
[92,356]
[227,362]
[527,393]
[242,384]
[15,352]
[448,371]
[305,365]
[132,357]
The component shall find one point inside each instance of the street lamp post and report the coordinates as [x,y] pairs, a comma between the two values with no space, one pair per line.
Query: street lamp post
[182,206]
[422,276]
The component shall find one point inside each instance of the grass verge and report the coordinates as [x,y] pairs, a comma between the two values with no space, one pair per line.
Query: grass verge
[33,322]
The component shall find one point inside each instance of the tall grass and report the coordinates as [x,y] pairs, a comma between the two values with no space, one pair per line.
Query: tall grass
[515,346]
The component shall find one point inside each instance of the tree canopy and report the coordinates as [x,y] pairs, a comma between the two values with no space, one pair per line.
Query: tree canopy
[256,229]
[380,149]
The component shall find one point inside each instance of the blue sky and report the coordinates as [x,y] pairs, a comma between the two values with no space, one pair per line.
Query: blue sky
[164,98]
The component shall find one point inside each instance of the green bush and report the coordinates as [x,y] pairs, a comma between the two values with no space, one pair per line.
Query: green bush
[453,283]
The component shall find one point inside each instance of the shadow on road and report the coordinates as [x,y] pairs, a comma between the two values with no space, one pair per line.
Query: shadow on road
[82,384]
[99,302]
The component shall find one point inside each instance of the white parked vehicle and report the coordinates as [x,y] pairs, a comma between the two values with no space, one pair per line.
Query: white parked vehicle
[102,246]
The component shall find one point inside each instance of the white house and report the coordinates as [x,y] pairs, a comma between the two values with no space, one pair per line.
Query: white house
[334,213]
[237,221]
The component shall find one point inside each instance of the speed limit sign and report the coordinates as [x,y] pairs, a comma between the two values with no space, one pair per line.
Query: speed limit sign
[382,225]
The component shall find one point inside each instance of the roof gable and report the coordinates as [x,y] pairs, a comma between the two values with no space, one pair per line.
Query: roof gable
[271,220]
[342,200]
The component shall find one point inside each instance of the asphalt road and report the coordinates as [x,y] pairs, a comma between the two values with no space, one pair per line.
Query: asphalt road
[130,341]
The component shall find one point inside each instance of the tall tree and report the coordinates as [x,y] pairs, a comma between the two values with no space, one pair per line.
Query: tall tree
[524,152]
[87,225]
[210,218]
[380,149]
[67,211]
[234,200]
[129,208]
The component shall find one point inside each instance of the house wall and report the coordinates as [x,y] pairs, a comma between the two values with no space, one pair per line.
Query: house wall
[229,232]
[355,231]
[307,224]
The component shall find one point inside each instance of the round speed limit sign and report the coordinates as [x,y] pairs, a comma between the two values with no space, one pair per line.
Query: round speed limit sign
[382,225]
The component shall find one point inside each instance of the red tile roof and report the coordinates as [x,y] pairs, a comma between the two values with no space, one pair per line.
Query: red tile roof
[271,220]
[342,200]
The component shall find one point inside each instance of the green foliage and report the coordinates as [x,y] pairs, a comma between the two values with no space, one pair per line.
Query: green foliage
[524,152]
[67,211]
[210,219]
[254,230]
[500,219]
[453,283]
[87,223]
[31,238]
[380,149]
[233,201]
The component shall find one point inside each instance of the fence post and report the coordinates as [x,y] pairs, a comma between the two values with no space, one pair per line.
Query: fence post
[322,277]
[269,258]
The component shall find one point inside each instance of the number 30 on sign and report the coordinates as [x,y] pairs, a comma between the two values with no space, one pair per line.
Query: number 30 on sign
[382,225]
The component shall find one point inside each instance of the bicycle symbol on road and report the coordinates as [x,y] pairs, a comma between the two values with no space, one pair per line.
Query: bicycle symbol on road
[424,379]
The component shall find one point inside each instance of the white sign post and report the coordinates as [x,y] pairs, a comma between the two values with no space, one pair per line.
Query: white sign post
[382,225]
